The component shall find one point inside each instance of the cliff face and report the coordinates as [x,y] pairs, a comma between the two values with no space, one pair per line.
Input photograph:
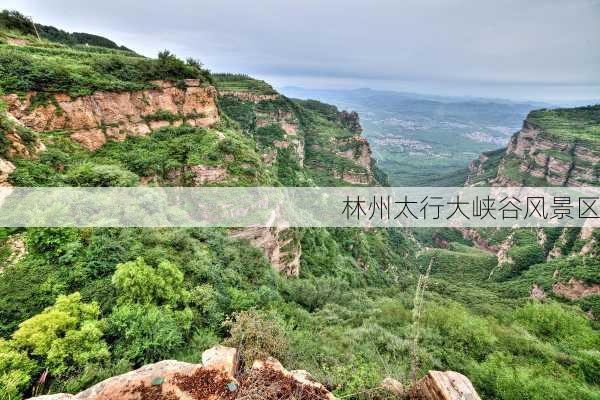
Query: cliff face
[280,246]
[553,161]
[553,148]
[92,120]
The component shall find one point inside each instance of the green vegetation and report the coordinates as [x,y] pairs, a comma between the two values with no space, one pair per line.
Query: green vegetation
[86,304]
[17,22]
[242,83]
[79,73]
[167,155]
[581,123]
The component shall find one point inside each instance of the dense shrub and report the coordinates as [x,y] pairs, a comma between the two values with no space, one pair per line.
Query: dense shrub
[65,337]
[16,369]
[145,333]
[94,175]
[137,282]
[258,336]
[558,324]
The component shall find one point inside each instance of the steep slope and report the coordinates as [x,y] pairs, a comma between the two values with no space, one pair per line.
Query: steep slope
[78,306]
[559,147]
[325,143]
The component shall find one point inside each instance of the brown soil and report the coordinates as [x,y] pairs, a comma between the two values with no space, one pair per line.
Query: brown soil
[204,383]
[262,384]
[153,392]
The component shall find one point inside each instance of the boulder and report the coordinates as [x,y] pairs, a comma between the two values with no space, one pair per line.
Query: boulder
[211,380]
[6,167]
[150,380]
[448,385]
[537,292]
[393,386]
[221,358]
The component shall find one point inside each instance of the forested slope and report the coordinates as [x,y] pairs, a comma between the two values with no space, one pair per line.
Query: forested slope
[81,305]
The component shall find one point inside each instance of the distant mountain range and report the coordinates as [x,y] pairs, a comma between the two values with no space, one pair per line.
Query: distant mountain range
[427,139]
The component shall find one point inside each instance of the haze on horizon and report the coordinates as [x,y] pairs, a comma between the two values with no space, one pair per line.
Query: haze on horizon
[536,50]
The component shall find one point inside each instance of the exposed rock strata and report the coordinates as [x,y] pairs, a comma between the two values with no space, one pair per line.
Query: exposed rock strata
[575,289]
[102,116]
[6,168]
[553,161]
[280,246]
[537,292]
[359,151]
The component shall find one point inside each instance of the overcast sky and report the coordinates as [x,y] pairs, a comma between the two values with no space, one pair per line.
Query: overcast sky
[534,49]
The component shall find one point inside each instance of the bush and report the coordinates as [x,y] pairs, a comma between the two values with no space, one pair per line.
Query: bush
[265,135]
[460,331]
[256,336]
[64,337]
[94,175]
[145,333]
[557,324]
[15,371]
[525,256]
[139,283]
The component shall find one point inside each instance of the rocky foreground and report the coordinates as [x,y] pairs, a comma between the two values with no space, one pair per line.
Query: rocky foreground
[220,377]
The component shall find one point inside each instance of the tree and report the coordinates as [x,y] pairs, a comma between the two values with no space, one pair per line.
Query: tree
[139,283]
[16,369]
[64,337]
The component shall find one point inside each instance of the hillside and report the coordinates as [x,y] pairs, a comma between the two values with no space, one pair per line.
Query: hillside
[82,305]
[559,147]
[422,140]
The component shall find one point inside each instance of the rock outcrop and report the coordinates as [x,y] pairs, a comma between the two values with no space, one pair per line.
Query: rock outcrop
[351,121]
[357,150]
[448,385]
[280,246]
[6,168]
[217,378]
[575,289]
[554,162]
[92,120]
[537,292]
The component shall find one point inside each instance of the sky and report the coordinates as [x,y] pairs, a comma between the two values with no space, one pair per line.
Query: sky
[546,50]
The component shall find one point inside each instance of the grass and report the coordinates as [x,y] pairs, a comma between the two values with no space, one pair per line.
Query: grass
[242,83]
[580,123]
[79,72]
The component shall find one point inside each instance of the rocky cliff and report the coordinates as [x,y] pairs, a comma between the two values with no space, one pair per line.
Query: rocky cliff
[92,120]
[553,148]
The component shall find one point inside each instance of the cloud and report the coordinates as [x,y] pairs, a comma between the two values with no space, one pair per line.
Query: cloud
[458,42]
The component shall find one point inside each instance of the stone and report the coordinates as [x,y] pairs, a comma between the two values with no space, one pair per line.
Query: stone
[207,174]
[158,124]
[192,82]
[575,289]
[537,292]
[221,358]
[122,112]
[128,386]
[6,168]
[91,139]
[214,379]
[393,386]
[448,385]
